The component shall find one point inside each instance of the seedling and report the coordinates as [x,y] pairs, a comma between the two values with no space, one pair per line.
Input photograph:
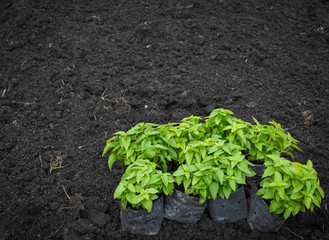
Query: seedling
[144,141]
[291,186]
[268,139]
[142,183]
[212,167]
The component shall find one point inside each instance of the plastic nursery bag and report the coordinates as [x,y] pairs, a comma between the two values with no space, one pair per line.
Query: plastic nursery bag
[229,210]
[183,208]
[260,217]
[142,221]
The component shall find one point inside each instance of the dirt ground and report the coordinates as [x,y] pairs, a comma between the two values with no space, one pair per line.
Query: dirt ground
[74,72]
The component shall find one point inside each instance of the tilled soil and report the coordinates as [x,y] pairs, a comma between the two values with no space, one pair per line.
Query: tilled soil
[74,72]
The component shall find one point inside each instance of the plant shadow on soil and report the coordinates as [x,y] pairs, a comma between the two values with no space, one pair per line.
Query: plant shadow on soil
[74,72]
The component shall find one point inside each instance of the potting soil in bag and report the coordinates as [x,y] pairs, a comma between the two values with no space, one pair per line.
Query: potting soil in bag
[183,208]
[259,216]
[142,221]
[228,210]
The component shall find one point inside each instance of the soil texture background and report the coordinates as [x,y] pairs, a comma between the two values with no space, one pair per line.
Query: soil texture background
[74,72]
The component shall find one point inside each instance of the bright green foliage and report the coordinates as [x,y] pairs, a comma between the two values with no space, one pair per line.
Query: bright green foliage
[144,141]
[217,121]
[213,156]
[268,139]
[239,132]
[142,183]
[212,167]
[291,186]
[234,130]
[191,129]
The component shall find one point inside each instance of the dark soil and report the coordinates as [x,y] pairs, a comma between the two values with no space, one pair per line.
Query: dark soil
[74,72]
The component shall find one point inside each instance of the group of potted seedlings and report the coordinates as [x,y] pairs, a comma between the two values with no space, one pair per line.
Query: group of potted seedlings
[230,167]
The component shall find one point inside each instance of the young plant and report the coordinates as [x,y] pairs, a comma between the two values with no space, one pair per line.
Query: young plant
[268,139]
[291,186]
[220,122]
[212,168]
[191,129]
[217,121]
[149,141]
[142,183]
[239,132]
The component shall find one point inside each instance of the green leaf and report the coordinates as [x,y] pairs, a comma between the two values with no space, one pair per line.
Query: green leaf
[126,142]
[187,182]
[281,192]
[244,167]
[139,176]
[119,133]
[151,190]
[296,208]
[316,201]
[150,152]
[189,156]
[287,213]
[130,152]
[296,195]
[220,174]
[159,146]
[227,191]
[130,197]
[124,203]
[145,180]
[274,206]
[269,171]
[137,199]
[203,193]
[147,204]
[119,190]
[179,172]
[241,135]
[165,191]
[308,185]
[145,144]
[277,177]
[131,188]
[111,160]
[309,164]
[307,202]
[233,185]
[203,152]
[187,174]
[213,188]
[217,120]
[172,152]
[208,179]
[164,179]
[286,169]
[274,157]
[195,180]
[268,195]
[172,142]
[321,191]
[179,180]
[107,148]
[226,149]
[197,157]
[296,170]
[213,149]
[154,178]
[259,146]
